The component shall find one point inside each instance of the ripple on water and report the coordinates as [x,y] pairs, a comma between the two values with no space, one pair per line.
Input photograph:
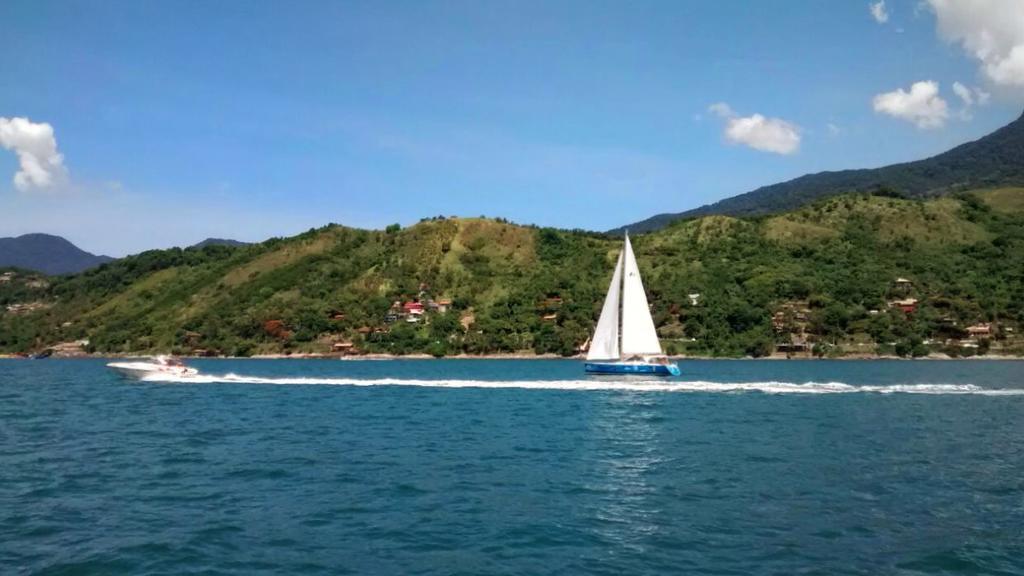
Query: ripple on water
[258,474]
[411,477]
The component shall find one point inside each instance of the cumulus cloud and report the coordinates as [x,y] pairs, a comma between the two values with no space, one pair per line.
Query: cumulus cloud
[992,31]
[878,11]
[922,105]
[40,164]
[758,132]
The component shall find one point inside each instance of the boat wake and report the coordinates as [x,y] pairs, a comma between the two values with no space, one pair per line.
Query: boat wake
[604,385]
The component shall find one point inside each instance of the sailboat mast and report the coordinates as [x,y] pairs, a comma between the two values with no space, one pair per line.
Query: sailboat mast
[621,303]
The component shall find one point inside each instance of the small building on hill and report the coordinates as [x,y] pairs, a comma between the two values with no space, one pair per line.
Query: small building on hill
[791,316]
[983,329]
[346,348]
[908,305]
[439,306]
[797,344]
[71,349]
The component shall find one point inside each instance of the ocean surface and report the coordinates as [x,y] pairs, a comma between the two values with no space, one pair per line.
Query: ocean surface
[513,467]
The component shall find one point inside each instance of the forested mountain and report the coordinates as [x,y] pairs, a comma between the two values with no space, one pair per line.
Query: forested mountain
[856,273]
[218,242]
[47,254]
[994,160]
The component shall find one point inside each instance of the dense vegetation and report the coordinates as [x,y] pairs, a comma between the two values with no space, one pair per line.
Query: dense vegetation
[995,160]
[824,274]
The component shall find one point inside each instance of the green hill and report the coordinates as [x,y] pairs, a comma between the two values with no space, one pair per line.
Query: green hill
[996,159]
[823,277]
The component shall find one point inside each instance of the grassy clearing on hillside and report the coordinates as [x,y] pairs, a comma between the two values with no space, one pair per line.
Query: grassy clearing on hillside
[890,219]
[1005,200]
[284,255]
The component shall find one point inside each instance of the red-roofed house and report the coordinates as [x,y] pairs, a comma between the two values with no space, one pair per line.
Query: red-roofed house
[412,307]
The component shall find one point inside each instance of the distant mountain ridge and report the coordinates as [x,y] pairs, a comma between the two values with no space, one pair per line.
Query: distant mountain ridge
[47,254]
[990,161]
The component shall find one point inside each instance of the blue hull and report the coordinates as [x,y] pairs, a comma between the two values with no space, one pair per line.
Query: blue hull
[631,368]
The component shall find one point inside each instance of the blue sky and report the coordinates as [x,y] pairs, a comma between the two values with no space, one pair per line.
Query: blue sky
[187,119]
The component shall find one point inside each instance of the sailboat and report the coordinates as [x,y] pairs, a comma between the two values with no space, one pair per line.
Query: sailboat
[625,341]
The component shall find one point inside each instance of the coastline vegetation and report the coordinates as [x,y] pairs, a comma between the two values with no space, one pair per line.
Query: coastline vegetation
[832,278]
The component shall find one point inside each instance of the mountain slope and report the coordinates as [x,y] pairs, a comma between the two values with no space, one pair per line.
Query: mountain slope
[46,253]
[219,242]
[993,160]
[830,265]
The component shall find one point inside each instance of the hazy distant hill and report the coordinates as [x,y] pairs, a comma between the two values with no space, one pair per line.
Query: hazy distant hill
[48,254]
[993,160]
[219,242]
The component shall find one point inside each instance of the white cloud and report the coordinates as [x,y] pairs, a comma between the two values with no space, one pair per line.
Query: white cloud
[964,93]
[970,97]
[922,105]
[758,132]
[878,11]
[992,31]
[41,165]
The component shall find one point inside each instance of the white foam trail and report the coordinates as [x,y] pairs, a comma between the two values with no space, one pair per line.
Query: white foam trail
[605,385]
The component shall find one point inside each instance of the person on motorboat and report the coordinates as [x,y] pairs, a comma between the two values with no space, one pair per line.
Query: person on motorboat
[159,365]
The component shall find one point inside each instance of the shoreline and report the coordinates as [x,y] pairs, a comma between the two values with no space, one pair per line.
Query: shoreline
[511,356]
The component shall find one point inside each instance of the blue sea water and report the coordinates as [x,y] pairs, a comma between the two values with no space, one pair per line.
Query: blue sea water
[513,467]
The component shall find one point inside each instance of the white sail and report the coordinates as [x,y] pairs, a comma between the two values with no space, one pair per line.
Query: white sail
[605,345]
[638,334]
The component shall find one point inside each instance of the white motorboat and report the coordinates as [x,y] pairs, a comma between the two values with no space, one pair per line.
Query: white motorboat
[161,365]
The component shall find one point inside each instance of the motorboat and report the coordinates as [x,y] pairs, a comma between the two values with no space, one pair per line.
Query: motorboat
[625,341]
[160,365]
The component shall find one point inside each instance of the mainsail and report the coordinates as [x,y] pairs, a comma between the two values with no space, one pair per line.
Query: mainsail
[605,345]
[638,334]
